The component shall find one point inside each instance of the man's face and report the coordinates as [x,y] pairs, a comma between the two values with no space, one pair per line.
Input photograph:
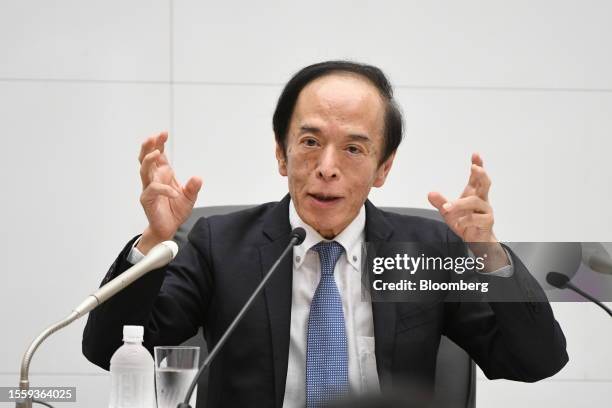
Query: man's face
[334,145]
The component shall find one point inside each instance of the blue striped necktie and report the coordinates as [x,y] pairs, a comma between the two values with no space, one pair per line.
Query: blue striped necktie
[327,350]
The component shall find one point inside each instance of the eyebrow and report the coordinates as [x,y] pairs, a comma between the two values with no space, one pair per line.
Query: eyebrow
[352,136]
[309,129]
[361,138]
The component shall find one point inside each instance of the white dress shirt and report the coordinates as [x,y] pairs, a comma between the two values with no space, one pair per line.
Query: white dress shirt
[357,313]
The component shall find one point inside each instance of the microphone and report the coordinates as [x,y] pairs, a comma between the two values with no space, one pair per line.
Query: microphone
[561,281]
[556,279]
[297,237]
[158,256]
[596,257]
[600,263]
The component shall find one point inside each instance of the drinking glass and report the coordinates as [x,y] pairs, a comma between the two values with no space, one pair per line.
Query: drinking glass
[175,368]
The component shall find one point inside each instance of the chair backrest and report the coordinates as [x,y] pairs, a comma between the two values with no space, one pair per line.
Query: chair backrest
[455,371]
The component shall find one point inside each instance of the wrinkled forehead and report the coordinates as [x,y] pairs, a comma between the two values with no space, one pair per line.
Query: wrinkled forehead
[342,100]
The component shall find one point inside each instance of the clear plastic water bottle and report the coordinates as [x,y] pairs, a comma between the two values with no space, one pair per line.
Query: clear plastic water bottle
[132,373]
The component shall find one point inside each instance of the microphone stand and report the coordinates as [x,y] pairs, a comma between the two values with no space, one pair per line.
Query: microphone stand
[158,256]
[24,381]
[297,237]
[561,281]
[589,297]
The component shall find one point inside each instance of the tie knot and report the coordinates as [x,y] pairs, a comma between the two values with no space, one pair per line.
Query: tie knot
[329,253]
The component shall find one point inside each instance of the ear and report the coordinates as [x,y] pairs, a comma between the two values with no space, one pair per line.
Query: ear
[383,171]
[282,161]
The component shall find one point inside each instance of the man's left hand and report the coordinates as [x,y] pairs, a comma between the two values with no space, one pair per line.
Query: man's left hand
[471,216]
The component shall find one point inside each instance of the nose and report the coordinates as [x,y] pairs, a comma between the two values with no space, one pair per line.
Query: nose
[327,167]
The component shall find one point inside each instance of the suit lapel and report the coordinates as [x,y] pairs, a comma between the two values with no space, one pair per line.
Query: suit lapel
[384,313]
[278,291]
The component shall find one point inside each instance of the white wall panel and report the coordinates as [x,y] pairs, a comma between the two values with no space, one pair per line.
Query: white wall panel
[547,154]
[424,43]
[224,135]
[70,201]
[545,394]
[588,333]
[74,39]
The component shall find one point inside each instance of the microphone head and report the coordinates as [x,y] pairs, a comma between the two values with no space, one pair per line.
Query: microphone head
[556,279]
[172,246]
[600,263]
[299,234]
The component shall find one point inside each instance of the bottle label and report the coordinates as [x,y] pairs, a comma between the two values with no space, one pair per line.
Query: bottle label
[131,390]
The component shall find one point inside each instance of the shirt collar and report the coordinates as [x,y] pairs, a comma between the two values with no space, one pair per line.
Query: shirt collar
[350,238]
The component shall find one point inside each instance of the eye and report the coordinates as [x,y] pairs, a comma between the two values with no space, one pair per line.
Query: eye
[352,149]
[310,142]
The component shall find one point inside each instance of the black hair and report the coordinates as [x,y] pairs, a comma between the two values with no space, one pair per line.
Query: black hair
[393,122]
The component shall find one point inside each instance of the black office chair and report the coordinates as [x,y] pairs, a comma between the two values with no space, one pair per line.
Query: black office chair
[455,385]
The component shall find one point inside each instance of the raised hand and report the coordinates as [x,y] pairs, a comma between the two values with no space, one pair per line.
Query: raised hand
[471,216]
[166,203]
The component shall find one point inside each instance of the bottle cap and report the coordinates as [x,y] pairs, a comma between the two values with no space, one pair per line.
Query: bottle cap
[133,333]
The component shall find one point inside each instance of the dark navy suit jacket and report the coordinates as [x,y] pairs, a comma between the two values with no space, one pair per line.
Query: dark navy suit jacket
[225,259]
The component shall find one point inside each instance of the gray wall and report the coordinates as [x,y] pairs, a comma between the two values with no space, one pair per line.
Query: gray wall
[526,83]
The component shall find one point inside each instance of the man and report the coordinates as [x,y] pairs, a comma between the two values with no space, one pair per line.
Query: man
[310,338]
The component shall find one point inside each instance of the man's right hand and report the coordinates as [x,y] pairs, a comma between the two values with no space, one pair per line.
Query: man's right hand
[166,203]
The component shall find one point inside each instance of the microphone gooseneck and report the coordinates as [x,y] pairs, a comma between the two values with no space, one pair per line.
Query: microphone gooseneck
[157,257]
[561,281]
[297,237]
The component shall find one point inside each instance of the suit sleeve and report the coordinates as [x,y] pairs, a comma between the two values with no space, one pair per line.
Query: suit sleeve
[515,340]
[170,303]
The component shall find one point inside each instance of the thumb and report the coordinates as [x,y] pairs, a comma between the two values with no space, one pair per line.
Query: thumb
[192,187]
[437,200]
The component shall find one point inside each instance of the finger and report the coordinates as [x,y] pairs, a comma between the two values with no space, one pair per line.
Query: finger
[152,143]
[149,169]
[192,187]
[443,206]
[468,204]
[437,200]
[154,190]
[479,183]
[148,166]
[483,222]
[148,146]
[483,183]
[162,138]
[472,184]
[145,148]
[477,159]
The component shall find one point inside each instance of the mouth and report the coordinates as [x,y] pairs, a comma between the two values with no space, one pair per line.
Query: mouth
[324,199]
